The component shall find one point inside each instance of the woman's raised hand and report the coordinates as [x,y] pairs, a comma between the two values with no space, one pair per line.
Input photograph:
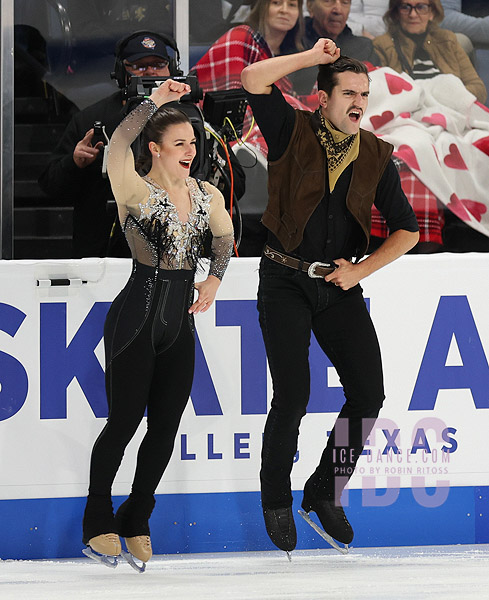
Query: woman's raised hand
[169,91]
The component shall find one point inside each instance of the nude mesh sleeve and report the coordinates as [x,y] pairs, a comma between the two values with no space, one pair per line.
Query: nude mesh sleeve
[127,185]
[222,236]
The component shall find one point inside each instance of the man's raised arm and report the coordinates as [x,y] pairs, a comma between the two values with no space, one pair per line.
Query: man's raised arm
[258,77]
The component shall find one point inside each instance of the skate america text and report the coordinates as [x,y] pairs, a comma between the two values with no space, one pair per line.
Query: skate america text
[64,357]
[62,360]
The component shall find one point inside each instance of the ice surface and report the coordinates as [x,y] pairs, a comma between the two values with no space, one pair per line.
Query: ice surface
[414,573]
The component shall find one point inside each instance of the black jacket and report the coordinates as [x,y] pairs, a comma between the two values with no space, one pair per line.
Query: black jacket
[85,189]
[354,46]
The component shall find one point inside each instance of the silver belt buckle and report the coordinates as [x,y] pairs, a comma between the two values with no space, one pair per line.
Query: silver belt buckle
[312,268]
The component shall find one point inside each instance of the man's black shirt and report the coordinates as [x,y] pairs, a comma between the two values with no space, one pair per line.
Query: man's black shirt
[331,232]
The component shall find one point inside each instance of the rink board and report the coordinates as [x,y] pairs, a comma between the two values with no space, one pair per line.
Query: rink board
[423,479]
[232,522]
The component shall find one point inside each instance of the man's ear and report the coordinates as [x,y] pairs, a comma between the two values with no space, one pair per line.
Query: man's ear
[323,98]
[309,5]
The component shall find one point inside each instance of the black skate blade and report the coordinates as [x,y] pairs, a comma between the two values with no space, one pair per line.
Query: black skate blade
[331,541]
[105,559]
[289,555]
[130,559]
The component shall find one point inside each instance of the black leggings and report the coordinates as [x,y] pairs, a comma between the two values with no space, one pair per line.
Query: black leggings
[150,351]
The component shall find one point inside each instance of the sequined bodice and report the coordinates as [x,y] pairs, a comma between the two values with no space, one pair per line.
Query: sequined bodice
[153,229]
[173,243]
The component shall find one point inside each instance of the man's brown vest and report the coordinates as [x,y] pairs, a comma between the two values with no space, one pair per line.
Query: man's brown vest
[296,183]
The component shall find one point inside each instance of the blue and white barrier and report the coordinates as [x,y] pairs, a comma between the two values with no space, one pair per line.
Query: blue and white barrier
[423,479]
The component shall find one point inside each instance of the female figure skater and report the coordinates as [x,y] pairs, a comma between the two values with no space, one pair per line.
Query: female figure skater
[149,331]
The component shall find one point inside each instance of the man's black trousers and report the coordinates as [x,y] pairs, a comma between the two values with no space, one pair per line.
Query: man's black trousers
[291,305]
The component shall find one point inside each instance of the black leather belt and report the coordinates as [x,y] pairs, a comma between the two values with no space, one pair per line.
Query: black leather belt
[315,270]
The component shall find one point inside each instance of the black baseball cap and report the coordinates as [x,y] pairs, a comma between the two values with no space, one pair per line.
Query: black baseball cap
[144,45]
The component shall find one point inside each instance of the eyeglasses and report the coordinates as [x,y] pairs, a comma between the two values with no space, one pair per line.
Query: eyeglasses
[156,66]
[421,9]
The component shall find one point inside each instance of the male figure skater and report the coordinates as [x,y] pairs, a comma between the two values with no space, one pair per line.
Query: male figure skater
[324,175]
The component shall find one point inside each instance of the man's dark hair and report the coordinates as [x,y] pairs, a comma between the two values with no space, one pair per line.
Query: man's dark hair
[328,74]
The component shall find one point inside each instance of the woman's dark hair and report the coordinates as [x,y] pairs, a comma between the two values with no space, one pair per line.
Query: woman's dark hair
[153,131]
[293,38]
[328,74]
[391,17]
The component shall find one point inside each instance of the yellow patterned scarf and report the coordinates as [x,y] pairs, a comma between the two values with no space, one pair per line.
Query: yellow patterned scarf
[341,148]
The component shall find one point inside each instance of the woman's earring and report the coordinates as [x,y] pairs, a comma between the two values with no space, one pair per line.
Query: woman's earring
[158,155]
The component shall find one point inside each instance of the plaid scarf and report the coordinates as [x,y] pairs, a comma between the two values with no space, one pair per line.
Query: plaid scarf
[341,148]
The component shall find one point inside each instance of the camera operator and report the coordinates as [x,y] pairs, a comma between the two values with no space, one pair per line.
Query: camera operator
[74,173]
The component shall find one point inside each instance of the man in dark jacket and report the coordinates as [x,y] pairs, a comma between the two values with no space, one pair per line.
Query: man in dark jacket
[324,175]
[74,173]
[328,20]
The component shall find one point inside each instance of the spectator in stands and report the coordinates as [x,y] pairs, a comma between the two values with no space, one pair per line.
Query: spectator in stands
[367,18]
[417,45]
[475,28]
[273,27]
[328,20]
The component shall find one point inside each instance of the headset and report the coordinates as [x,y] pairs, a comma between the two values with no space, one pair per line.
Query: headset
[121,75]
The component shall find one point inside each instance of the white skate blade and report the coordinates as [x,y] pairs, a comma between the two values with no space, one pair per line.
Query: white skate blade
[130,559]
[105,559]
[331,541]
